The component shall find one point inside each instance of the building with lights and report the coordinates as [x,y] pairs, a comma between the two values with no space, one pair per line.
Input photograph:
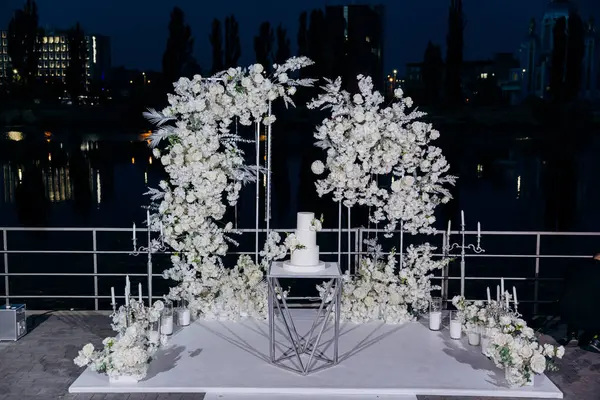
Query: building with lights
[54,57]
[535,54]
[392,82]
[355,43]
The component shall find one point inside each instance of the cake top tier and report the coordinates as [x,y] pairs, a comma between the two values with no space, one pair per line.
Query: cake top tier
[304,219]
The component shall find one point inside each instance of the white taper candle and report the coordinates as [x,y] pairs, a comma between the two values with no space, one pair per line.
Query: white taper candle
[478,229]
[148,218]
[462,217]
[133,234]
[112,295]
[140,292]
[515,296]
[506,294]
[448,234]
[489,296]
[126,297]
[502,286]
[497,293]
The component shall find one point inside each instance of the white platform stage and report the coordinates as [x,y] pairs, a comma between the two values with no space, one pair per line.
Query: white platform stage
[230,361]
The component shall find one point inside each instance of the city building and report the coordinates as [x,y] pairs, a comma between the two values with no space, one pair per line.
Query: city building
[535,54]
[355,43]
[54,57]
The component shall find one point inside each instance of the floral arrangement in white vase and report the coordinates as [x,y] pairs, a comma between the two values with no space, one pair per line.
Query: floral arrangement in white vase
[206,169]
[127,355]
[473,314]
[367,144]
[381,293]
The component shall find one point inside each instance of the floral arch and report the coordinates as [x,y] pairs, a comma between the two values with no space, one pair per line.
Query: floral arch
[363,141]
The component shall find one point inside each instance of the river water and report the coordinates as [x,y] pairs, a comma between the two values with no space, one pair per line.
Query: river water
[98,179]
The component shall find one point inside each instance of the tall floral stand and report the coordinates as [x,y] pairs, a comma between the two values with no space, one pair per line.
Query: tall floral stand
[303,356]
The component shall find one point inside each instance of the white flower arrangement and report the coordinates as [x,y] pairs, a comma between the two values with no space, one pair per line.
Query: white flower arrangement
[364,141]
[206,171]
[316,225]
[520,355]
[130,352]
[474,315]
[292,243]
[380,293]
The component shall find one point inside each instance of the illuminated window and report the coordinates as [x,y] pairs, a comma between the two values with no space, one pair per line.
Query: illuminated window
[45,48]
[51,56]
[51,64]
[368,39]
[4,42]
[483,75]
[64,64]
[57,47]
[45,56]
[3,34]
[50,40]
[45,64]
[56,39]
[62,39]
[63,47]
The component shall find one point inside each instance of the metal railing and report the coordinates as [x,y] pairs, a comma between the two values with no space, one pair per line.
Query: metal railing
[351,255]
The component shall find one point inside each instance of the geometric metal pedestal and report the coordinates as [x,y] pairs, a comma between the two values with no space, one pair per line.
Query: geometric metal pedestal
[306,353]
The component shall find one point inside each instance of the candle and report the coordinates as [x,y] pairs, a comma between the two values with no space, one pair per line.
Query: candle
[435,320]
[133,237]
[506,299]
[161,230]
[140,292]
[148,218]
[462,217]
[448,234]
[127,284]
[455,329]
[126,297]
[166,324]
[478,229]
[515,296]
[184,317]
[489,297]
[112,295]
[497,293]
[502,286]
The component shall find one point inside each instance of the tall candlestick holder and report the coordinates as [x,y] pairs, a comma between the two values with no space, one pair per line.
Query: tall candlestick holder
[463,246]
[154,246]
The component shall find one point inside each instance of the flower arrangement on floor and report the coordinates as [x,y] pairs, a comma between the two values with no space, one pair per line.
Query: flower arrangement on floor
[365,142]
[513,345]
[206,171]
[131,350]
[380,293]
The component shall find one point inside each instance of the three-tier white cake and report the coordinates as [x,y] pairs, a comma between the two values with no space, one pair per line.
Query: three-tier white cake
[305,258]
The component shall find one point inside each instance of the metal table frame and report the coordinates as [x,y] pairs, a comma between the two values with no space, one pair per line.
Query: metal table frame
[307,345]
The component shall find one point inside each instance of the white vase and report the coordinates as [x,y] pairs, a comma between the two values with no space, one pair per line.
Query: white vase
[514,382]
[166,325]
[474,338]
[435,320]
[123,379]
[183,317]
[455,329]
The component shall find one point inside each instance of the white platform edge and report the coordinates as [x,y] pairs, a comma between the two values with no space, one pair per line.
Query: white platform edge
[288,266]
[99,384]
[229,396]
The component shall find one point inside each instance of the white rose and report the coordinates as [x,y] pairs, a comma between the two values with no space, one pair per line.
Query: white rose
[357,99]
[369,302]
[560,352]
[87,350]
[526,352]
[538,364]
[283,78]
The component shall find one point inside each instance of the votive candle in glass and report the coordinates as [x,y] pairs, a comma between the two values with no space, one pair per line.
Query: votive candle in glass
[435,314]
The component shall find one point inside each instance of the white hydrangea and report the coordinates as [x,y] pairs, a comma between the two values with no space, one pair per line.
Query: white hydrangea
[206,170]
[364,141]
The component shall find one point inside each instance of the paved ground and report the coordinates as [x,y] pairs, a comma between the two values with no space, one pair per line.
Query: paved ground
[40,365]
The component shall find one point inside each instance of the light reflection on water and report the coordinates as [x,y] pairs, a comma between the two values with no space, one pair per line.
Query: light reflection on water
[94,179]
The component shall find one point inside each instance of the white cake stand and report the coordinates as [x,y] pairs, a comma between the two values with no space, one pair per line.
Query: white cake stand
[288,266]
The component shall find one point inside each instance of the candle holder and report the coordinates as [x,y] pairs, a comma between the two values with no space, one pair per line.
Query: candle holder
[166,319]
[154,332]
[463,246]
[455,325]
[183,313]
[435,313]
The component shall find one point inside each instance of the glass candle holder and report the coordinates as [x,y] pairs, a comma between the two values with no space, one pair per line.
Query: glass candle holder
[183,313]
[166,319]
[435,314]
[154,332]
[455,325]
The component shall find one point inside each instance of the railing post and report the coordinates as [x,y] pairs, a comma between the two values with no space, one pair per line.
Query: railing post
[95,249]
[445,271]
[5,247]
[356,250]
[401,244]
[536,286]
[149,272]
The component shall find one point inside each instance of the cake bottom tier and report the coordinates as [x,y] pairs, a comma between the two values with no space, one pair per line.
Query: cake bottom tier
[307,256]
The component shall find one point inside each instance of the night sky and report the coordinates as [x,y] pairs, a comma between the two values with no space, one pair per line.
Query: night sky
[138,28]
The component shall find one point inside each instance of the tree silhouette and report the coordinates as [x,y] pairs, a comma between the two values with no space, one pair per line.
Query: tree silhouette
[23,44]
[433,69]
[557,65]
[454,52]
[302,38]
[575,55]
[263,45]
[316,43]
[283,46]
[76,75]
[180,44]
[233,49]
[216,41]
